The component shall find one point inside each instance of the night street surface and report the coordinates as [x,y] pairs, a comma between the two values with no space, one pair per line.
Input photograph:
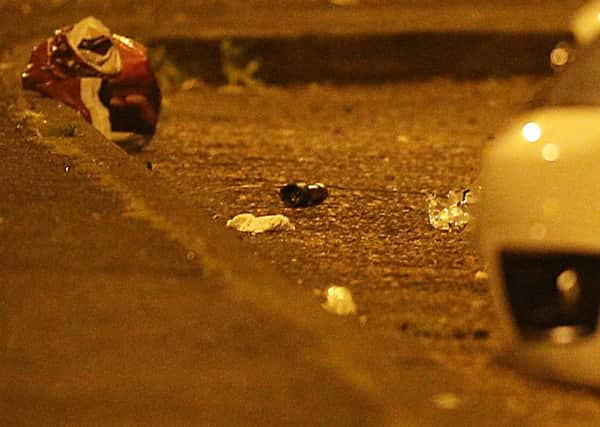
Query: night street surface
[131,320]
[380,149]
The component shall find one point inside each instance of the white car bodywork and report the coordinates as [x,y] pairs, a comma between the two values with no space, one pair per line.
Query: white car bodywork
[585,27]
[541,195]
[585,23]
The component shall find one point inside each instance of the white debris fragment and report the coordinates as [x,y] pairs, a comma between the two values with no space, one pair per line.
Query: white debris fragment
[450,213]
[339,301]
[481,276]
[191,84]
[446,401]
[249,223]
[344,2]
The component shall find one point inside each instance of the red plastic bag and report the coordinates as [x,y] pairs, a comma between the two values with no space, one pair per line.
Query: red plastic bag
[104,76]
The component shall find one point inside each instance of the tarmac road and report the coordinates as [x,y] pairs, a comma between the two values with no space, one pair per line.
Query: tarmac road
[381,149]
[123,303]
[67,352]
[119,305]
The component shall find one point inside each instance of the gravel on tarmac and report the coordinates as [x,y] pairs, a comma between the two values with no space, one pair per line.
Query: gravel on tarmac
[380,149]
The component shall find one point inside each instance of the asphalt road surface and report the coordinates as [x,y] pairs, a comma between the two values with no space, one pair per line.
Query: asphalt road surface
[380,149]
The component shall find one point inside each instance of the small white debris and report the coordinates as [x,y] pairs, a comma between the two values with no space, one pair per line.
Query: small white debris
[286,132]
[339,301]
[481,276]
[446,401]
[449,213]
[344,2]
[249,223]
[191,84]
[403,139]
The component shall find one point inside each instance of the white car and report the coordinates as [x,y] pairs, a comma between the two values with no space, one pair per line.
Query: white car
[539,227]
[585,27]
[585,23]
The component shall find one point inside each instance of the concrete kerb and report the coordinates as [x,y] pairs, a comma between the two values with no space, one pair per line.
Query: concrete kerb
[368,58]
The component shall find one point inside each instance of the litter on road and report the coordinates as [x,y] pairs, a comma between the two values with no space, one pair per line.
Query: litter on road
[249,223]
[339,301]
[451,212]
[481,276]
[106,77]
[298,195]
[447,401]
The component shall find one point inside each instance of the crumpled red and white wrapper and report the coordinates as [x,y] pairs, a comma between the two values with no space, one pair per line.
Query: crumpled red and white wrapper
[104,76]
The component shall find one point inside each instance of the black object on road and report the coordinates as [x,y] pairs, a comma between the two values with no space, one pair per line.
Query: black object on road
[300,194]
